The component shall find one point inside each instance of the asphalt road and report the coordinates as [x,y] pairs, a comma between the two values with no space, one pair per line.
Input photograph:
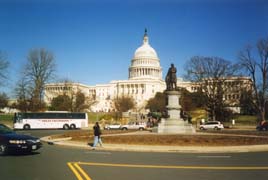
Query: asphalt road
[57,162]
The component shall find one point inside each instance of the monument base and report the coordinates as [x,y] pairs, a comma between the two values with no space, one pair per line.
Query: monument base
[174,126]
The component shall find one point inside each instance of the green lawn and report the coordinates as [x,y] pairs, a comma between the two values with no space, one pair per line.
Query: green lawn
[6,119]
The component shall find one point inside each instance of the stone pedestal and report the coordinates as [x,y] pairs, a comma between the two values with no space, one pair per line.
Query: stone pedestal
[174,124]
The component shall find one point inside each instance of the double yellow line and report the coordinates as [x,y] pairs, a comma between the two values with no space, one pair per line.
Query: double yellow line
[178,167]
[78,171]
[82,175]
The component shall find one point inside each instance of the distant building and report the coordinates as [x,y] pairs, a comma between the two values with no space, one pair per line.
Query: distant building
[232,88]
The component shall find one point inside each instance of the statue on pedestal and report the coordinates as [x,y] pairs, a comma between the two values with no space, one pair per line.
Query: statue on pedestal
[171,78]
[174,123]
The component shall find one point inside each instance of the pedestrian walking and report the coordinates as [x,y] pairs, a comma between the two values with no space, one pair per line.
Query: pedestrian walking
[97,135]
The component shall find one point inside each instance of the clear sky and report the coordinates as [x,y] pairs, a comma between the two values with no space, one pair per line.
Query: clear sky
[94,41]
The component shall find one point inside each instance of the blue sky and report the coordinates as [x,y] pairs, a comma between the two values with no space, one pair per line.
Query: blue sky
[94,41]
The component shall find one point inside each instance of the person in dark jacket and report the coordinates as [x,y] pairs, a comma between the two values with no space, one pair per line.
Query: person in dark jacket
[97,135]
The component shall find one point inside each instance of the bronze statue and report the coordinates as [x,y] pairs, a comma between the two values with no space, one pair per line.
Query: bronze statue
[171,78]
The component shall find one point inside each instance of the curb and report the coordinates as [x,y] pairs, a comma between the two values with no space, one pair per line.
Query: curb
[151,148]
[53,141]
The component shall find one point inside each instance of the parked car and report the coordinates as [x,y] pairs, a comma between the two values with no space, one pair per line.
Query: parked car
[112,126]
[10,141]
[263,126]
[216,125]
[134,126]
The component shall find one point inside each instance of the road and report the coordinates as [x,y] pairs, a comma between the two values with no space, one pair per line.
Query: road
[68,163]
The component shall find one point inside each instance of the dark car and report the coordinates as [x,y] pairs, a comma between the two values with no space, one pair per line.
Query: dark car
[263,126]
[10,141]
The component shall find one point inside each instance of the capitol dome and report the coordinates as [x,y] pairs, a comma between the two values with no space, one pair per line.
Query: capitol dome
[145,50]
[145,63]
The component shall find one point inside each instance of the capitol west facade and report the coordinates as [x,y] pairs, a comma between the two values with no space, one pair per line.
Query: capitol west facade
[144,81]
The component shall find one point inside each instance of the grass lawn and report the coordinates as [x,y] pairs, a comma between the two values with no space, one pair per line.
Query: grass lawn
[6,119]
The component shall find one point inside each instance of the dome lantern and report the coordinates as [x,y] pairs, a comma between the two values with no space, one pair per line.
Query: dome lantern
[145,37]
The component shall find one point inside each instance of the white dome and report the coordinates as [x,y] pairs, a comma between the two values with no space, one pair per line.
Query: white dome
[145,50]
[145,63]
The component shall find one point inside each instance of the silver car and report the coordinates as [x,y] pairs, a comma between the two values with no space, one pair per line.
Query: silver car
[112,126]
[134,126]
[216,125]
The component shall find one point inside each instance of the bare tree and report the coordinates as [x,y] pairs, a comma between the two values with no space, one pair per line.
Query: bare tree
[123,104]
[80,102]
[258,71]
[210,74]
[23,96]
[39,69]
[3,100]
[4,64]
[157,103]
[61,103]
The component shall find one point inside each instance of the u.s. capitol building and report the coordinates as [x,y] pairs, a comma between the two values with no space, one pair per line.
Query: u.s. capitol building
[144,81]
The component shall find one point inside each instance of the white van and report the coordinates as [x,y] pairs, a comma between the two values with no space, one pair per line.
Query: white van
[216,125]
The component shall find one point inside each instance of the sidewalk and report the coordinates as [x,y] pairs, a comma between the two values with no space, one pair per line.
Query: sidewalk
[147,148]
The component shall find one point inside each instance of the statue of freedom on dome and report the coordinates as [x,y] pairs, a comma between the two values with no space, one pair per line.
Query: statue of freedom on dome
[171,78]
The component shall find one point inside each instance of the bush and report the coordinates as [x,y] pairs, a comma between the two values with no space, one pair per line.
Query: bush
[246,119]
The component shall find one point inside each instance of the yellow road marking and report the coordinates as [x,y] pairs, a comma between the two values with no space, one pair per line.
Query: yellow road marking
[74,171]
[179,167]
[78,171]
[82,171]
